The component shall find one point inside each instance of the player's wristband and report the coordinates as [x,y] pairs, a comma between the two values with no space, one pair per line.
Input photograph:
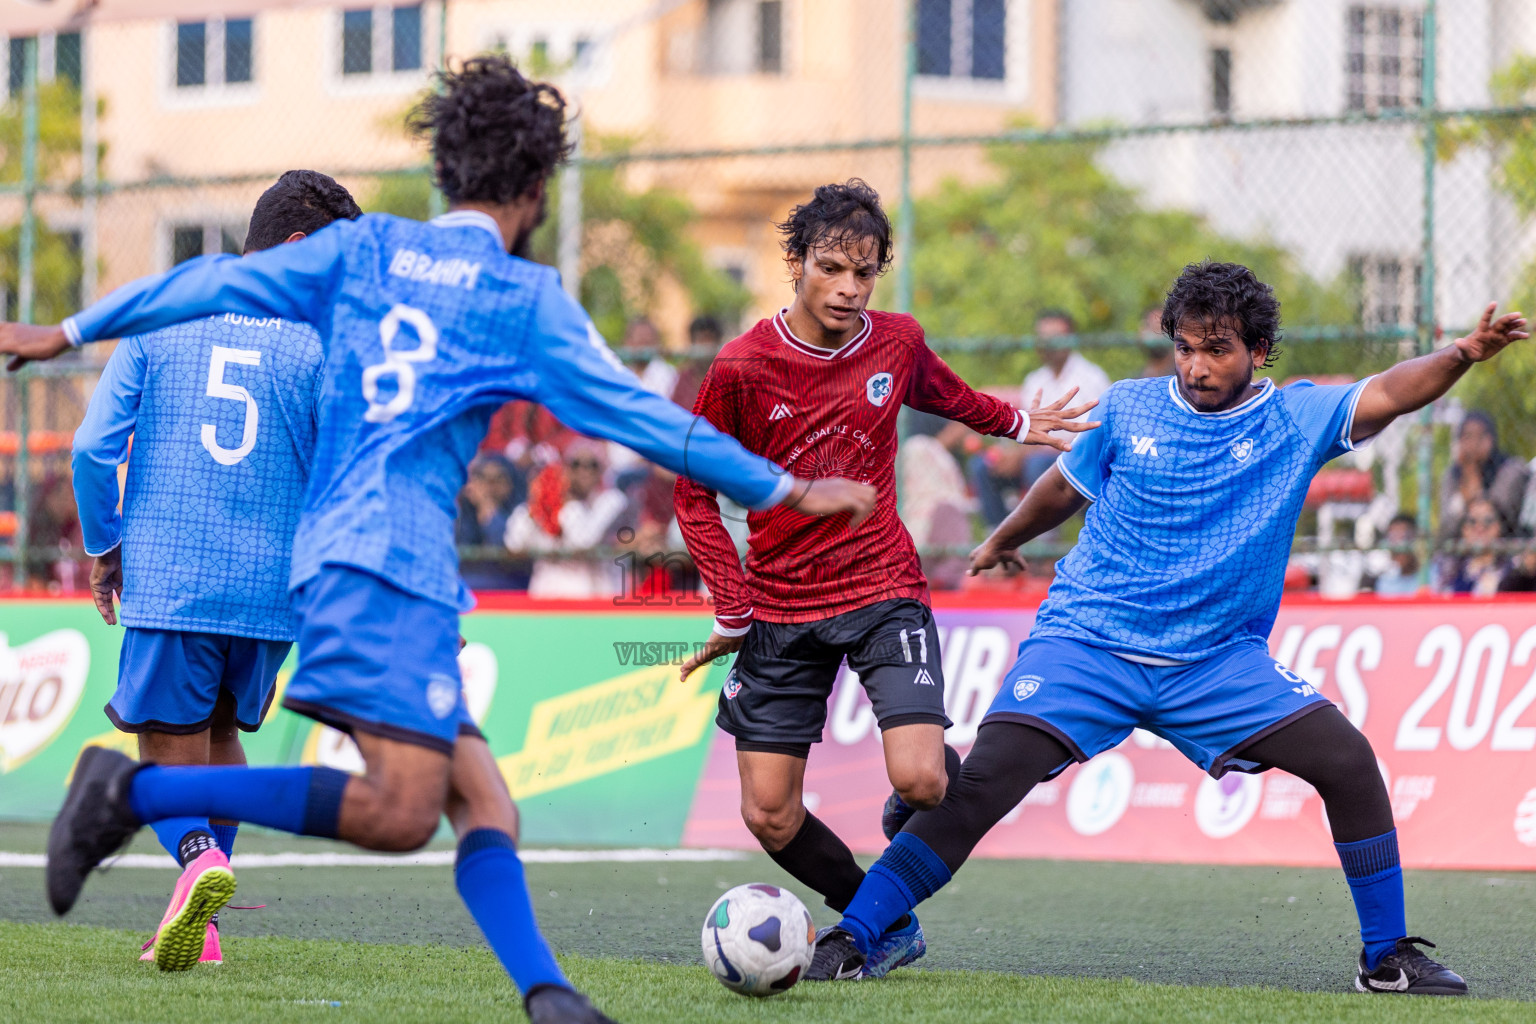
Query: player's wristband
[72,332]
[1018,435]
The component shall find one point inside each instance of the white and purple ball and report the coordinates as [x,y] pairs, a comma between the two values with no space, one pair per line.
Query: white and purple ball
[758,939]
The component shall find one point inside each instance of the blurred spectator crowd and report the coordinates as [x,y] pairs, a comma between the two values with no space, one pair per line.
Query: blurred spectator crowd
[558,515]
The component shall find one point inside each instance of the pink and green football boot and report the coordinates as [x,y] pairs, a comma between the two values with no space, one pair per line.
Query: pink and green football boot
[187,935]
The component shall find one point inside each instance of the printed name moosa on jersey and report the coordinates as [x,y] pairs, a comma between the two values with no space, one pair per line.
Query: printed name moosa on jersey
[419,266]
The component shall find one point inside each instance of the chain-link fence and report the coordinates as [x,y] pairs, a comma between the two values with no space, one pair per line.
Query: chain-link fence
[1374,162]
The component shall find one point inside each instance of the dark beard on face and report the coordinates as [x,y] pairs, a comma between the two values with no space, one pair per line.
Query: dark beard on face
[1205,401]
[522,246]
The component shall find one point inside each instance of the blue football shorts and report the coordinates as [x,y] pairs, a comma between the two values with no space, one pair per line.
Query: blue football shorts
[168,681]
[378,660]
[1090,700]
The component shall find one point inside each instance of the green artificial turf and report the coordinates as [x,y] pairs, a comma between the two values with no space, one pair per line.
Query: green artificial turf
[1008,940]
[78,973]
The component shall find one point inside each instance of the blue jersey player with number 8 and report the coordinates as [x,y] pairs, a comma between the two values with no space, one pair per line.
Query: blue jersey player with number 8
[428,329]
[1159,616]
[223,413]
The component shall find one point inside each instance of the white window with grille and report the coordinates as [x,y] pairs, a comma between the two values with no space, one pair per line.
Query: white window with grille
[1383,58]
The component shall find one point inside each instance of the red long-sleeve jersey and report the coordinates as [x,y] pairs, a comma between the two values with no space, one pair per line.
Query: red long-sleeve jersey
[822,413]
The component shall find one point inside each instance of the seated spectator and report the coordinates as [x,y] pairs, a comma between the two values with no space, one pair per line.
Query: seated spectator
[568,514]
[1521,577]
[934,506]
[1399,575]
[655,373]
[997,470]
[58,561]
[705,338]
[1157,345]
[527,435]
[494,488]
[1480,470]
[657,376]
[1479,568]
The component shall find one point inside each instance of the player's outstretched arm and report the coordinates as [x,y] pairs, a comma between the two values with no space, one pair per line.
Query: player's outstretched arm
[1056,416]
[1049,503]
[937,389]
[291,281]
[26,343]
[1415,383]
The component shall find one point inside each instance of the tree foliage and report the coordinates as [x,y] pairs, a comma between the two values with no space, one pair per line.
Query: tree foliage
[56,260]
[1052,229]
[1509,393]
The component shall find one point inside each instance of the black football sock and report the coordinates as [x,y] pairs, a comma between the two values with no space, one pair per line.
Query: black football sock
[818,859]
[1004,765]
[951,763]
[1325,750]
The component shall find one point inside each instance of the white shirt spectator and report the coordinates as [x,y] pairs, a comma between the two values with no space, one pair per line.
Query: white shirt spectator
[1091,383]
[583,525]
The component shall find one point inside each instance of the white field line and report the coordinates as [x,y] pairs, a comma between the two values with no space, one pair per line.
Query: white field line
[431,858]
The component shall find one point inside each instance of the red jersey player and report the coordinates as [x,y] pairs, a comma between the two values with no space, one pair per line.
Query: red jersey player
[819,388]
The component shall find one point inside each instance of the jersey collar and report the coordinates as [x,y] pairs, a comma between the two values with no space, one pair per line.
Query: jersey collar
[1266,389]
[788,337]
[471,219]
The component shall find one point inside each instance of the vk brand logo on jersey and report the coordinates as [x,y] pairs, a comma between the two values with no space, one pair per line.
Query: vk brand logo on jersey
[732,686]
[1026,687]
[878,388]
[1144,445]
[923,678]
[780,412]
[1242,448]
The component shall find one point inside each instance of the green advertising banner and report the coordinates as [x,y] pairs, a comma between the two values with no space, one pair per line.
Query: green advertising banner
[598,740]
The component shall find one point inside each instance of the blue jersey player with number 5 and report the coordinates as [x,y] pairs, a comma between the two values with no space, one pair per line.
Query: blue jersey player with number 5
[1159,617]
[223,413]
[428,329]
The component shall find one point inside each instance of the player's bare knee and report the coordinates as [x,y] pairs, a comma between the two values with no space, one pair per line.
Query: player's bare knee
[407,827]
[773,825]
[923,790]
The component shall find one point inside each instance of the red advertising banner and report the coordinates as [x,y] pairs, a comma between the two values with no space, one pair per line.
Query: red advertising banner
[1445,690]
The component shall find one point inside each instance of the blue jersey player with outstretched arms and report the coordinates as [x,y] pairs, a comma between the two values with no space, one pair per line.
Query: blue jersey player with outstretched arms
[427,329]
[1159,617]
[222,413]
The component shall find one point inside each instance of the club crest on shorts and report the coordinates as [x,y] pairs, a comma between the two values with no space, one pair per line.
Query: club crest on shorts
[1026,687]
[878,388]
[732,686]
[1241,449]
[442,695]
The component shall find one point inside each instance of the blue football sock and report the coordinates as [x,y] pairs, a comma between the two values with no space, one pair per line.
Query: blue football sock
[1376,881]
[171,831]
[225,834]
[490,880]
[306,801]
[907,873]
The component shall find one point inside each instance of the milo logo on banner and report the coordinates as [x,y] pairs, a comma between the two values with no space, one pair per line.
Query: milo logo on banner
[41,683]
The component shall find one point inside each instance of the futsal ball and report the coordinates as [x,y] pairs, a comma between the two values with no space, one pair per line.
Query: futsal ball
[758,939]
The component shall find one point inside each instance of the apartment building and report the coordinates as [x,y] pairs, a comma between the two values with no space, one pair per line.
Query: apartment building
[204,102]
[1343,197]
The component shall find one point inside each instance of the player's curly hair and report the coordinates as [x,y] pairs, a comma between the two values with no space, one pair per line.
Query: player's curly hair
[842,215]
[1226,293]
[300,201]
[495,135]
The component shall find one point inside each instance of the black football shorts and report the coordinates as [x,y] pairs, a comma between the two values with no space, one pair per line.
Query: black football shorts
[775,697]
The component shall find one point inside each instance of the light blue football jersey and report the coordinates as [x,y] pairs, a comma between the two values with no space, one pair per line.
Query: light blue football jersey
[223,415]
[428,329]
[1183,551]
